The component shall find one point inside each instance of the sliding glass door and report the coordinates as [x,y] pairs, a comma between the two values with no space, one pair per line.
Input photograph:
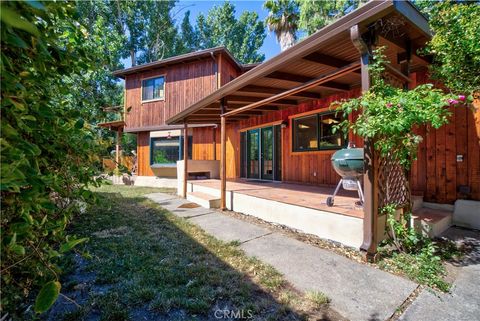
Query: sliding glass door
[260,154]
[253,157]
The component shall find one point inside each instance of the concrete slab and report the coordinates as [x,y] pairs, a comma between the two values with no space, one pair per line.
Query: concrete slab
[462,303]
[160,197]
[357,291]
[227,228]
[467,214]
[191,212]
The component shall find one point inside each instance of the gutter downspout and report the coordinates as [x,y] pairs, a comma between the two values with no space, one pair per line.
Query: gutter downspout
[370,177]
[215,69]
[214,138]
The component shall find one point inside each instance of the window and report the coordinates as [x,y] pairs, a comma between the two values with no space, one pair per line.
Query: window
[153,88]
[168,150]
[306,133]
[316,133]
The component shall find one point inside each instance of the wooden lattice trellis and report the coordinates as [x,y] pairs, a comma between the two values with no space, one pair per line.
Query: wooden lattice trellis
[393,185]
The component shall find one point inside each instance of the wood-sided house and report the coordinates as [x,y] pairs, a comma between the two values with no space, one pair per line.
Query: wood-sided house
[160,90]
[267,130]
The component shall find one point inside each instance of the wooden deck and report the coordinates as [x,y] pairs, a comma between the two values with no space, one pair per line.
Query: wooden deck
[308,196]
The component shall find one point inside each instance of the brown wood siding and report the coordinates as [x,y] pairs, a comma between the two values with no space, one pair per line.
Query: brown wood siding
[185,84]
[143,154]
[436,174]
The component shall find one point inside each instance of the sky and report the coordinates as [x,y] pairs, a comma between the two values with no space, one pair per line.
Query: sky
[270,46]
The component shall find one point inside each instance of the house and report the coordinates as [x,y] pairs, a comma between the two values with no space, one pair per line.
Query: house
[159,90]
[268,129]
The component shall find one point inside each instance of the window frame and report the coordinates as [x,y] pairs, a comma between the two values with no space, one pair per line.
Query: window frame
[180,151]
[154,99]
[318,117]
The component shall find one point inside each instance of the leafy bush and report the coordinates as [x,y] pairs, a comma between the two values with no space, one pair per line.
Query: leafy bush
[414,254]
[389,114]
[47,148]
[455,46]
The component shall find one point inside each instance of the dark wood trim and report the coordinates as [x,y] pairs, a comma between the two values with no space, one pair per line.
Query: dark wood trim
[370,206]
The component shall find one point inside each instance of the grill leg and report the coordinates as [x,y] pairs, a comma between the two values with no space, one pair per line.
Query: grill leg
[337,188]
[360,191]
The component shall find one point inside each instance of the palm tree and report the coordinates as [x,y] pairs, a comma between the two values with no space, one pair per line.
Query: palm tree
[283,20]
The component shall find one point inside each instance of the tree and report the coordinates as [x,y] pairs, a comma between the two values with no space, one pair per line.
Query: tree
[242,37]
[283,19]
[189,41]
[455,46]
[48,151]
[314,15]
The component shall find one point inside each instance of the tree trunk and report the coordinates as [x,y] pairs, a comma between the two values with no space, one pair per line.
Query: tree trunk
[132,56]
[287,40]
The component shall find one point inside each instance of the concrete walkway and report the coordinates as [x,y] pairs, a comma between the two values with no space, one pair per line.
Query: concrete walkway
[463,303]
[357,291]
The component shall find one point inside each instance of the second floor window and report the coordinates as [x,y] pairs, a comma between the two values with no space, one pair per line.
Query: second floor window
[153,88]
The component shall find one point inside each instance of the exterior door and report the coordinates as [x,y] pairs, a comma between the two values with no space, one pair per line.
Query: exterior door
[267,153]
[260,154]
[253,153]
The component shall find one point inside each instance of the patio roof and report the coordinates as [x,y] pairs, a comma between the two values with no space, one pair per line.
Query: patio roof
[325,63]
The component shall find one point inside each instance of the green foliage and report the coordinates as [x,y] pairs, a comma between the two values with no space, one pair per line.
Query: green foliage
[47,296]
[315,15]
[242,37]
[455,46]
[48,150]
[389,114]
[283,19]
[415,254]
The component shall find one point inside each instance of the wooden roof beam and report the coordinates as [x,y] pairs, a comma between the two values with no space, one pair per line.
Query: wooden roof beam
[327,60]
[401,43]
[303,79]
[250,99]
[307,85]
[273,90]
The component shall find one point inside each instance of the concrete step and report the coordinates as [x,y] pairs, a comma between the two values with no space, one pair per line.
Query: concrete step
[204,199]
[432,222]
[417,201]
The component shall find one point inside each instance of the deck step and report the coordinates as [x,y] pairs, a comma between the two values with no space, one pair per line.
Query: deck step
[204,199]
[417,201]
[432,222]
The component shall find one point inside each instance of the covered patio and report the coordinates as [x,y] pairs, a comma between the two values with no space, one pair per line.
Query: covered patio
[328,66]
[308,196]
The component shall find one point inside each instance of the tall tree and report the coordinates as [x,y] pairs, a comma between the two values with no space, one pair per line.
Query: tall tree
[314,15]
[283,20]
[455,46]
[188,38]
[242,37]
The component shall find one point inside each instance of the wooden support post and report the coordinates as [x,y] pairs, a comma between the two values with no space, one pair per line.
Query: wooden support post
[117,147]
[215,142]
[223,159]
[370,177]
[185,159]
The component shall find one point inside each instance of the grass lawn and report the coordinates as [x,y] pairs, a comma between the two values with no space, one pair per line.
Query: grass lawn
[144,263]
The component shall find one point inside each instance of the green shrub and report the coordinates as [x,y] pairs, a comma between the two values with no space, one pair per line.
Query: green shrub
[47,149]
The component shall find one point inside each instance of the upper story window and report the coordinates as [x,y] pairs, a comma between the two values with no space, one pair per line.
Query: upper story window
[315,132]
[153,88]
